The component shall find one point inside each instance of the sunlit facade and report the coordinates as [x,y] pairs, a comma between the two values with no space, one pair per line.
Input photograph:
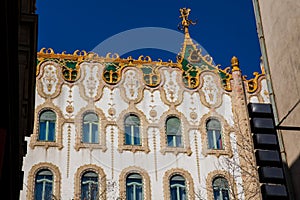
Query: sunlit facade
[123,128]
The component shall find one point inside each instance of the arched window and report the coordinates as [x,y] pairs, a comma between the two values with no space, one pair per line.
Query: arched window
[214,136]
[177,188]
[132,130]
[90,128]
[220,189]
[173,131]
[47,126]
[89,186]
[43,185]
[134,187]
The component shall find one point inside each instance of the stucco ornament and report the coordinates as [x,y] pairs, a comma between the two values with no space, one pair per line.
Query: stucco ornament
[131,84]
[171,87]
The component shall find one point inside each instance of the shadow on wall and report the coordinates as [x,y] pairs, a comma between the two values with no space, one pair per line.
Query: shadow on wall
[295,176]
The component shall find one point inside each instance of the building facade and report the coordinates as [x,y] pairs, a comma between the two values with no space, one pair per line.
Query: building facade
[278,25]
[124,128]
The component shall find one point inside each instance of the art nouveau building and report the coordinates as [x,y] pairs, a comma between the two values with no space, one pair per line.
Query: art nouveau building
[114,128]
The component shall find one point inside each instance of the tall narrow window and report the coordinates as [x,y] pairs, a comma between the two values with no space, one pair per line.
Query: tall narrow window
[132,130]
[43,185]
[47,126]
[220,189]
[134,187]
[90,128]
[214,136]
[89,186]
[173,130]
[177,188]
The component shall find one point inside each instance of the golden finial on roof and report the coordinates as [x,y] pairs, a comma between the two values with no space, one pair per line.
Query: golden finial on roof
[235,64]
[185,23]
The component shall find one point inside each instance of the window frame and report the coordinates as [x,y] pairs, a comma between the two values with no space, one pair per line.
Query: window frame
[101,180]
[30,194]
[232,185]
[46,130]
[178,186]
[102,124]
[44,182]
[189,183]
[60,120]
[212,135]
[122,146]
[185,130]
[132,129]
[145,180]
[90,133]
[220,189]
[226,129]
[174,136]
[137,183]
[95,184]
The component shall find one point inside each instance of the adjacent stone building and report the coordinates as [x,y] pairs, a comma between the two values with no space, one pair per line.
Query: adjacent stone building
[278,24]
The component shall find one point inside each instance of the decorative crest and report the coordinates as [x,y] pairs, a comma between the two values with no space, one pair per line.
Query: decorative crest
[185,23]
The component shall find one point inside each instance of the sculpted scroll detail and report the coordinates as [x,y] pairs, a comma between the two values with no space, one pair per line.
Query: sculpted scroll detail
[131,84]
[171,87]
[90,82]
[211,90]
[49,82]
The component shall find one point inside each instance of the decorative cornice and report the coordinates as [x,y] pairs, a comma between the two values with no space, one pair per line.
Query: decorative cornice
[114,65]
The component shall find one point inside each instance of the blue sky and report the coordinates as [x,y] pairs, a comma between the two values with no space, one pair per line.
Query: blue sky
[224,28]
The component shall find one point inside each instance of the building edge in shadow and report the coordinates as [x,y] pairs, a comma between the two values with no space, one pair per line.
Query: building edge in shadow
[18,46]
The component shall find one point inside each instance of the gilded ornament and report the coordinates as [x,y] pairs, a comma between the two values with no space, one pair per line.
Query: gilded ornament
[193,115]
[235,64]
[69,109]
[153,113]
[111,111]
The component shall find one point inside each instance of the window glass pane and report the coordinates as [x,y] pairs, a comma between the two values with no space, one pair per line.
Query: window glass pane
[85,134]
[42,132]
[128,135]
[43,185]
[173,126]
[137,136]
[177,188]
[219,144]
[132,120]
[214,135]
[178,141]
[48,115]
[171,140]
[220,189]
[132,130]
[95,133]
[90,117]
[134,187]
[51,131]
[47,126]
[90,128]
[210,135]
[213,124]
[89,186]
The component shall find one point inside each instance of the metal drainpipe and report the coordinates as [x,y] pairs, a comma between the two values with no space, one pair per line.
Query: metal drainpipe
[271,93]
